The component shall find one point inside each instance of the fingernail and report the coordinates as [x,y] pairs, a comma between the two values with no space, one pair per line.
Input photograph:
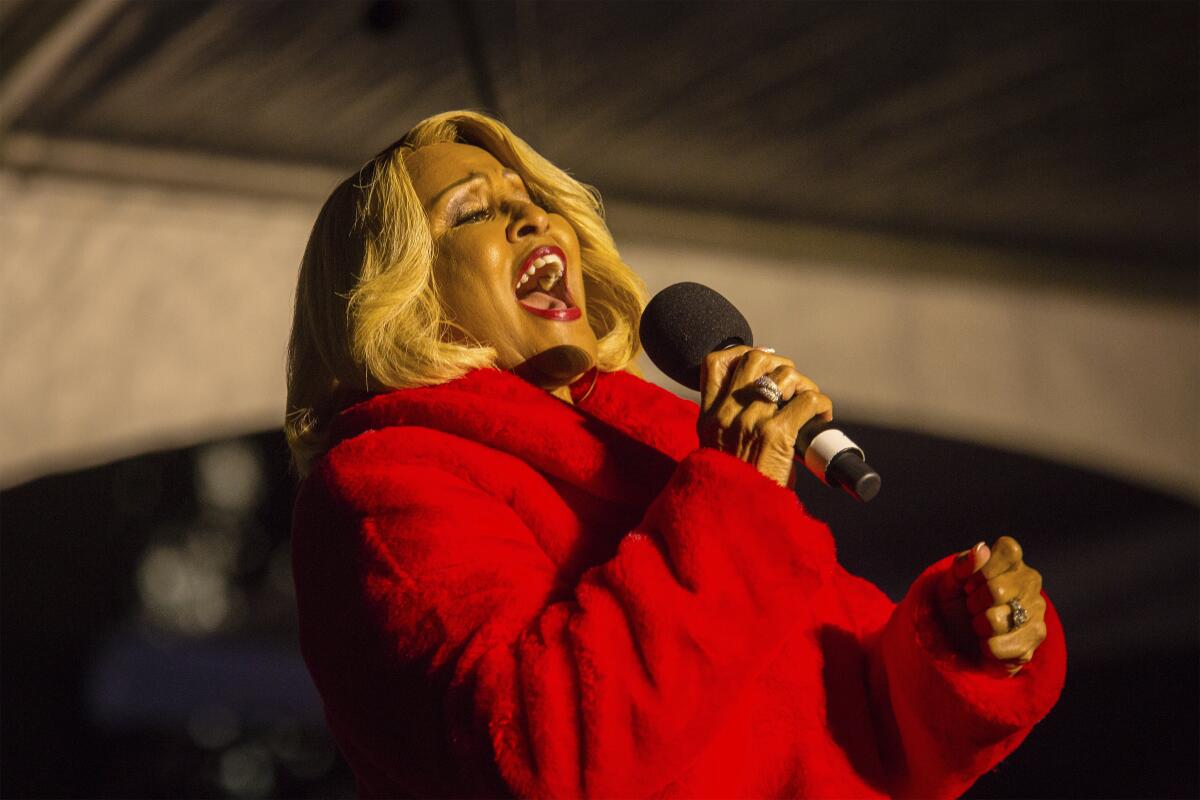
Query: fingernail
[766,349]
[975,549]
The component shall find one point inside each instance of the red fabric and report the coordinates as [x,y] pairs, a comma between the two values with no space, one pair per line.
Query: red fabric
[501,593]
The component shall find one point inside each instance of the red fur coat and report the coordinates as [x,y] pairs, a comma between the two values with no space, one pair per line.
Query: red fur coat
[501,593]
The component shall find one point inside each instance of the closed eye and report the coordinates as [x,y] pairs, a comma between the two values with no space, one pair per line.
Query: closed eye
[468,217]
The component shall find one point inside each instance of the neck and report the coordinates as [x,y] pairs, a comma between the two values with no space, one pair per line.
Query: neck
[556,369]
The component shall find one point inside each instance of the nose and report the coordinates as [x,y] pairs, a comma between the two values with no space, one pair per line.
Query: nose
[528,219]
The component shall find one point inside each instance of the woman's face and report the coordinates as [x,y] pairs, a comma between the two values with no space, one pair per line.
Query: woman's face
[507,271]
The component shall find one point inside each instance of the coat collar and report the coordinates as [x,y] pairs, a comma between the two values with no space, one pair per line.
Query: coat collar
[621,442]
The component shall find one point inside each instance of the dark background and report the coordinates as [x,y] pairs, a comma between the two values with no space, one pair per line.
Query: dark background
[99,700]
[147,630]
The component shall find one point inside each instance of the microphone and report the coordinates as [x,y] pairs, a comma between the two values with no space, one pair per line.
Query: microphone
[685,322]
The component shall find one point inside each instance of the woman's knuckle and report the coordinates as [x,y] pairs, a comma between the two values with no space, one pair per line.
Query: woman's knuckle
[1009,547]
[808,398]
[756,361]
[717,358]
[803,380]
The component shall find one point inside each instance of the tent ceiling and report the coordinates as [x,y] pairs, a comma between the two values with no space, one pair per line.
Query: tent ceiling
[1066,127]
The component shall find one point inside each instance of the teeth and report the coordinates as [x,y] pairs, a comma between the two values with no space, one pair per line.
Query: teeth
[551,276]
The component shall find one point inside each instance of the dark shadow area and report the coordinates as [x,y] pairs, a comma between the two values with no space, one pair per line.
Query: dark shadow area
[149,633]
[1120,563]
[847,714]
[149,636]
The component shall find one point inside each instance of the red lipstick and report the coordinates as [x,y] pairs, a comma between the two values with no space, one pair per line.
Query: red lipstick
[556,314]
[550,300]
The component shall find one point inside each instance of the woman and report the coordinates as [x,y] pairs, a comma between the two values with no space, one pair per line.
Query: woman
[521,569]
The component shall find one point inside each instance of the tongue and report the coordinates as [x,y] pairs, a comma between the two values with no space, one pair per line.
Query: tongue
[541,300]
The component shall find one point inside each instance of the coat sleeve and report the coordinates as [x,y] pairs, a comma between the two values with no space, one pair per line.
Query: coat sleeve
[611,686]
[941,717]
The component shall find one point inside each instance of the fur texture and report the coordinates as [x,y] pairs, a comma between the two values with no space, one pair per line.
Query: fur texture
[501,593]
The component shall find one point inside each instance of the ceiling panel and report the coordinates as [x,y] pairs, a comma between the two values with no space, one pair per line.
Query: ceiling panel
[1062,126]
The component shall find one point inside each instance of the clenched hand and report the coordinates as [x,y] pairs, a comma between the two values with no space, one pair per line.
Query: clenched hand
[976,601]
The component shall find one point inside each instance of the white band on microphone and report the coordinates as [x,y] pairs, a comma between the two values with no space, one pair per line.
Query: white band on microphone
[826,446]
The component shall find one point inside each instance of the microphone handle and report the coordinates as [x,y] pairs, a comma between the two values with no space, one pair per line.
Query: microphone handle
[835,459]
[826,451]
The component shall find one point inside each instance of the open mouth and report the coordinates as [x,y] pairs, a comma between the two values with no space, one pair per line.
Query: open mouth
[542,285]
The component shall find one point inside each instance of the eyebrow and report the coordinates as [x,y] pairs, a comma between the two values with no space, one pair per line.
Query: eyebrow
[470,177]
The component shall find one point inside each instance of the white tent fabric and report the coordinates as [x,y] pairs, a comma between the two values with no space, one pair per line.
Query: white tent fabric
[139,316]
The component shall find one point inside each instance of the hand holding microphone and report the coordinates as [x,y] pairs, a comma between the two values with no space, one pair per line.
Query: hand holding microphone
[698,338]
[752,424]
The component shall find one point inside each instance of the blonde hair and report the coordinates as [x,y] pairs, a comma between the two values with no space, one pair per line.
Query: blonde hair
[367,315]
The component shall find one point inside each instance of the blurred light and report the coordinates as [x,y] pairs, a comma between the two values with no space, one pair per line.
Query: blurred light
[186,588]
[212,549]
[161,577]
[229,476]
[247,771]
[214,727]
[304,754]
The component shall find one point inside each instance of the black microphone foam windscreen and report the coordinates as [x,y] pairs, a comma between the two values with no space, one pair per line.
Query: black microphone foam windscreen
[684,323]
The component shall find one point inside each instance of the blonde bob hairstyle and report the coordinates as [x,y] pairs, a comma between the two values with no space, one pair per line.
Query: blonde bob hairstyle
[368,318]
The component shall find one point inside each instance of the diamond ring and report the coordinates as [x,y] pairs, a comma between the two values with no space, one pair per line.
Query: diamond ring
[1019,615]
[767,389]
